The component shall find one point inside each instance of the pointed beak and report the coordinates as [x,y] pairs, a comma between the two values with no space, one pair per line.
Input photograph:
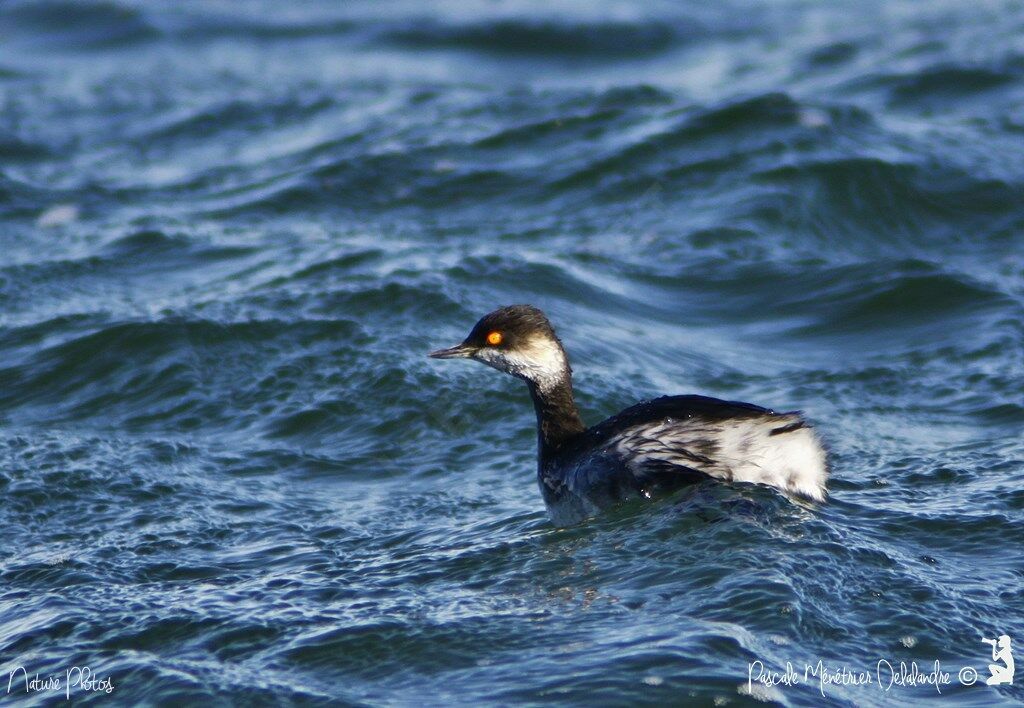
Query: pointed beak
[459,351]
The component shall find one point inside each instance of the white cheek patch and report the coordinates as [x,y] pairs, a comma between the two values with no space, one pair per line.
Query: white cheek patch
[491,357]
[545,359]
[538,359]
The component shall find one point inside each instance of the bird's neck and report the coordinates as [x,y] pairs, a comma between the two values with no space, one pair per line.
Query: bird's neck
[558,419]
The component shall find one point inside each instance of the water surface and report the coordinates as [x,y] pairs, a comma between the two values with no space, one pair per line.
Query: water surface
[231,231]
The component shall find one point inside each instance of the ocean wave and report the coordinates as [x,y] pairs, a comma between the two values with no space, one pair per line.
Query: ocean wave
[900,201]
[15,149]
[910,302]
[609,39]
[708,141]
[139,247]
[949,83]
[246,116]
[145,373]
[199,25]
[48,283]
[76,25]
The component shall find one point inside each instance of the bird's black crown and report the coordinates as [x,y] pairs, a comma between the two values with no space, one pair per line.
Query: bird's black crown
[515,324]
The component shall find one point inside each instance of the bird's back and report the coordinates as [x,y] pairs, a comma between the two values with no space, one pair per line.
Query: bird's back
[667,442]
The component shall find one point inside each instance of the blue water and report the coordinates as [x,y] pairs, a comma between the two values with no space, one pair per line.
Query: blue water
[230,232]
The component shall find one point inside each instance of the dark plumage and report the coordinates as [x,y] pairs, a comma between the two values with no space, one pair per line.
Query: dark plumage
[647,449]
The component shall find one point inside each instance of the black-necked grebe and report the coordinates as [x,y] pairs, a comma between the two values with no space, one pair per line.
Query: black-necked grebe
[645,450]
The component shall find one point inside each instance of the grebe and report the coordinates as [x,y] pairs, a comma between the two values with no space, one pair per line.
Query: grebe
[646,450]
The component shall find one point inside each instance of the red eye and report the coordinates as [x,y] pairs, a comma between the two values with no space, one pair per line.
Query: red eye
[494,338]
